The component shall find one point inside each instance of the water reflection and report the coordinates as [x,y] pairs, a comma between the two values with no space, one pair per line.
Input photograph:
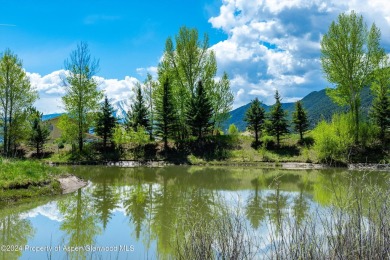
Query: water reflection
[14,234]
[156,209]
[255,207]
[80,222]
[105,200]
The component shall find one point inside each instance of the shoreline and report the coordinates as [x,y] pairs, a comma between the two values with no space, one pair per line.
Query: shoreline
[281,165]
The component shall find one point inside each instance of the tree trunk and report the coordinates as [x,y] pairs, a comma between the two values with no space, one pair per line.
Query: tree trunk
[257,136]
[356,123]
[80,141]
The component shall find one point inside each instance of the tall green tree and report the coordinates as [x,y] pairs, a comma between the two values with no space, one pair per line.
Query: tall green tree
[221,98]
[301,124]
[150,88]
[82,96]
[349,54]
[279,124]
[16,95]
[185,63]
[39,131]
[105,122]
[138,114]
[199,112]
[381,104]
[166,118]
[254,117]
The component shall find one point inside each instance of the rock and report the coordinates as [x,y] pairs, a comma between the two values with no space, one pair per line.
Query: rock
[71,183]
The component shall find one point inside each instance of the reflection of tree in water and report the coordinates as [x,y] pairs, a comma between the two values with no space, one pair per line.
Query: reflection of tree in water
[14,231]
[177,203]
[80,221]
[276,205]
[301,205]
[165,212]
[135,203]
[255,208]
[106,199]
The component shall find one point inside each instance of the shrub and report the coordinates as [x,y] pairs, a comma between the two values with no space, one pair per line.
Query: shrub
[368,133]
[233,130]
[333,140]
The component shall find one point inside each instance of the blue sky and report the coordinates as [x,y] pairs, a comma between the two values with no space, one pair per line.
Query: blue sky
[263,45]
[124,35]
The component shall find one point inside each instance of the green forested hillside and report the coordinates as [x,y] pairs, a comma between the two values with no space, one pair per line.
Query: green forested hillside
[317,104]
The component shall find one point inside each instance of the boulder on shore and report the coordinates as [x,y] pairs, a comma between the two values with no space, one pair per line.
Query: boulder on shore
[71,183]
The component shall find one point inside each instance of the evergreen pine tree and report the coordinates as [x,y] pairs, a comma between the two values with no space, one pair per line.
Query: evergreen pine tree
[199,112]
[279,125]
[138,113]
[105,122]
[301,124]
[255,116]
[381,111]
[39,131]
[165,116]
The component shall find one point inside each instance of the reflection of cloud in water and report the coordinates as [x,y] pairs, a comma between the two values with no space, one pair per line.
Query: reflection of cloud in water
[49,210]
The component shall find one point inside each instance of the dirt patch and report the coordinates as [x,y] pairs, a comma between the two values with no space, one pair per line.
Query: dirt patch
[71,183]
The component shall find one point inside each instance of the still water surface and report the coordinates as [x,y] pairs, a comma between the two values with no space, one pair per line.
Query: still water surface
[136,213]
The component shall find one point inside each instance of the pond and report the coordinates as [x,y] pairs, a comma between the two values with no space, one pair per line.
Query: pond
[180,212]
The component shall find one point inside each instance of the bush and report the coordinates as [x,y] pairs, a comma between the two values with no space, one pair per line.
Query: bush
[333,140]
[368,133]
[233,130]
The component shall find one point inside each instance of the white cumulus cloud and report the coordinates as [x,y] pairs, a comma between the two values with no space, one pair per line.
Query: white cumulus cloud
[275,44]
[51,88]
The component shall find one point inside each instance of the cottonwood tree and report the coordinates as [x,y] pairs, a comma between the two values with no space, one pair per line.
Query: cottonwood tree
[349,54]
[16,95]
[221,98]
[254,117]
[105,122]
[166,119]
[301,124]
[278,121]
[82,96]
[150,88]
[185,63]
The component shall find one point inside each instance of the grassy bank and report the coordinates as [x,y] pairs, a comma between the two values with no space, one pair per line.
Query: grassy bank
[26,179]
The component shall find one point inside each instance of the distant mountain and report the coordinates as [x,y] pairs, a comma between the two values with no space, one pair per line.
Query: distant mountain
[120,109]
[317,104]
[50,116]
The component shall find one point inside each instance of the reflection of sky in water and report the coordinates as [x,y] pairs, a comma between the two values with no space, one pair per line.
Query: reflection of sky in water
[46,220]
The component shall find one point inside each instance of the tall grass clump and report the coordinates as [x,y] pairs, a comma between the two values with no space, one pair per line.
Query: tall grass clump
[355,226]
[225,236]
[354,223]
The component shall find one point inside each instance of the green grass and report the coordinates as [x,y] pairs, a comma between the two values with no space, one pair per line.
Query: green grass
[243,152]
[26,179]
